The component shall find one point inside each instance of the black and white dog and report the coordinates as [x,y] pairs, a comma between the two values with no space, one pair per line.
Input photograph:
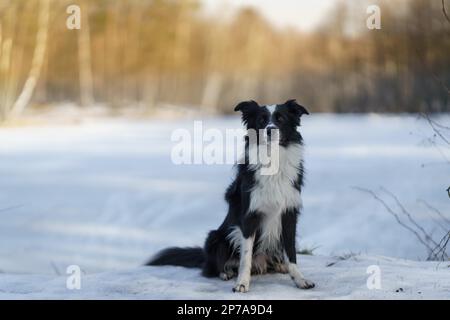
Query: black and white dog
[258,233]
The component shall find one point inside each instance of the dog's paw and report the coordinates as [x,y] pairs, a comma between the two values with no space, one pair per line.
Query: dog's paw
[226,276]
[241,287]
[304,284]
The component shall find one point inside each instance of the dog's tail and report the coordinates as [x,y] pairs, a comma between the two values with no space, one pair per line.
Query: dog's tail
[183,257]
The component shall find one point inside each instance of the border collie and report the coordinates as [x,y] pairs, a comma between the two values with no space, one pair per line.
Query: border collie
[258,233]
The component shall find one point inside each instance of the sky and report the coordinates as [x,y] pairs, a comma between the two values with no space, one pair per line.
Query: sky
[303,15]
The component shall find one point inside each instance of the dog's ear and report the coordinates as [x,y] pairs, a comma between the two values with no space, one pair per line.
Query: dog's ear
[295,107]
[245,106]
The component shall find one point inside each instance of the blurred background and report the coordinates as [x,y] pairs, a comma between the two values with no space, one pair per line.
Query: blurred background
[86,118]
[209,54]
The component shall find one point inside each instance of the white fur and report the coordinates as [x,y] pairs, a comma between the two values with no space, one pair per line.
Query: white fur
[295,273]
[277,191]
[271,108]
[298,277]
[272,195]
[245,264]
[235,238]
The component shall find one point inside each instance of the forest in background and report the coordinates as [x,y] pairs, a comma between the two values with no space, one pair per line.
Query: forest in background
[151,53]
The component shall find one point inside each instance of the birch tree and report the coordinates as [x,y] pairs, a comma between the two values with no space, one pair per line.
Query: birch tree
[38,59]
[84,59]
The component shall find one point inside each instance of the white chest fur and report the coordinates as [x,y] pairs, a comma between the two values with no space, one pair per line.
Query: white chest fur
[275,193]
[271,196]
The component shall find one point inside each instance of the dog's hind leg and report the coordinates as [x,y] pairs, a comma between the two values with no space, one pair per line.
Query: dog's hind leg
[217,254]
[277,266]
[281,268]
[259,264]
[230,269]
[225,276]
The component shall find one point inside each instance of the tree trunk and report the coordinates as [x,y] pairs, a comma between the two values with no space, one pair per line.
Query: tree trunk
[84,60]
[38,59]
[5,64]
[211,91]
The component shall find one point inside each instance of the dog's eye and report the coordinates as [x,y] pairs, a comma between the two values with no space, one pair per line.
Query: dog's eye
[279,117]
[263,119]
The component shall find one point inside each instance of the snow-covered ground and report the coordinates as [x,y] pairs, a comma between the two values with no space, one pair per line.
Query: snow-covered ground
[105,195]
[347,279]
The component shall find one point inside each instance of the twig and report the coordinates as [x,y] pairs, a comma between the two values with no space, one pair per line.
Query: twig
[441,249]
[11,208]
[55,268]
[408,215]
[435,210]
[437,222]
[396,216]
[438,148]
[437,124]
[432,124]
[343,257]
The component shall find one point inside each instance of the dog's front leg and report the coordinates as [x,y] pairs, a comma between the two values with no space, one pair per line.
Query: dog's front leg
[250,224]
[289,225]
[245,264]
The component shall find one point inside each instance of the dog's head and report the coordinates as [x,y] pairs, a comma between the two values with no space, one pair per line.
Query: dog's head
[277,122]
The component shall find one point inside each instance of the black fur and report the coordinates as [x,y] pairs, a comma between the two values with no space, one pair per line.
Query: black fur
[184,257]
[217,255]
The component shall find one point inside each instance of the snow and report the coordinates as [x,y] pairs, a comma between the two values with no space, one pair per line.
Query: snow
[105,195]
[347,279]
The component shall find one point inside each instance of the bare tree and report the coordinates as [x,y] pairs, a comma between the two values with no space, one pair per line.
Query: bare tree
[214,79]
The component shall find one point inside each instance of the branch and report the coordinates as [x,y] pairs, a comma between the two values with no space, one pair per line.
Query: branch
[408,215]
[397,218]
[433,126]
[10,208]
[437,124]
[432,122]
[439,252]
[440,214]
